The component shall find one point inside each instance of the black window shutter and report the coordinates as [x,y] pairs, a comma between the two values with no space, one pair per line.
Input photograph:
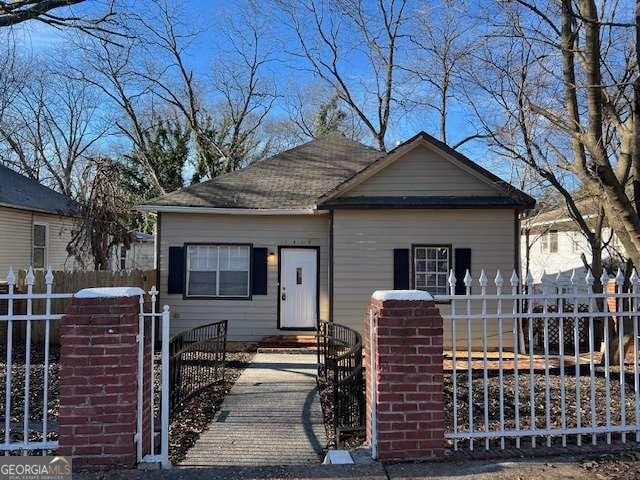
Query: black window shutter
[175,283]
[401,269]
[259,272]
[462,262]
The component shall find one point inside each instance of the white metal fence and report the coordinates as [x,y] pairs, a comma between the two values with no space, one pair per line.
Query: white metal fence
[162,455]
[31,380]
[545,378]
[36,432]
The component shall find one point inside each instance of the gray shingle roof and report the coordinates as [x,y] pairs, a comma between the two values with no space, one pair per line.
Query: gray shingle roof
[299,177]
[292,179]
[23,192]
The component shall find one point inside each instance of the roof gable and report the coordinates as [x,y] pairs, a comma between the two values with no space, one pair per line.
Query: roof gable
[424,171]
[19,191]
[425,167]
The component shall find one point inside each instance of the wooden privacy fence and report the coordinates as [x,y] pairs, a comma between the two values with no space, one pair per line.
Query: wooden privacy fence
[67,281]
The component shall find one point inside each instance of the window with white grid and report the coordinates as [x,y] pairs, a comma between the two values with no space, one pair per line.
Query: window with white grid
[431,264]
[218,271]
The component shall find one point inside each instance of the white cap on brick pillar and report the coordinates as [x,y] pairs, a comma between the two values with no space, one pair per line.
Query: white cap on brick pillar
[109,292]
[410,295]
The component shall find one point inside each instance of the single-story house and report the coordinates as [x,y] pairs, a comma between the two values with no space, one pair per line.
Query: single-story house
[310,233]
[36,224]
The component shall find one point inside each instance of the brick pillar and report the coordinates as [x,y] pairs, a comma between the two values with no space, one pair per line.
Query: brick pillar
[406,403]
[98,378]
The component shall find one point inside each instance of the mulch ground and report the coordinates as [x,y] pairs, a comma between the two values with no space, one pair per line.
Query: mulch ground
[36,389]
[620,466]
[348,440]
[556,386]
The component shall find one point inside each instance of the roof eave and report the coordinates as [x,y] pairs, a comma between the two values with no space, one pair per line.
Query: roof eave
[230,211]
[26,208]
[422,202]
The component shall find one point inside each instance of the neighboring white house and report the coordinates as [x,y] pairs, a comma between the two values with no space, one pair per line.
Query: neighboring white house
[36,224]
[139,256]
[552,244]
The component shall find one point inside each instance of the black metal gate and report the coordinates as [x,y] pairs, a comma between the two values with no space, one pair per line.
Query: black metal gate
[196,360]
[340,376]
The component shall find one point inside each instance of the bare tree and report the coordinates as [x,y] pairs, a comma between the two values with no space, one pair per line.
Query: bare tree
[314,110]
[59,14]
[112,70]
[14,73]
[329,34]
[105,209]
[563,76]
[507,78]
[51,129]
[225,134]
[444,40]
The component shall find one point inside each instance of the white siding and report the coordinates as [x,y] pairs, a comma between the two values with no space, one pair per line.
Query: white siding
[59,232]
[16,239]
[424,172]
[364,241]
[248,319]
[571,245]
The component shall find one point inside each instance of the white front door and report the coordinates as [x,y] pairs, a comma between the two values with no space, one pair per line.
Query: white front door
[298,287]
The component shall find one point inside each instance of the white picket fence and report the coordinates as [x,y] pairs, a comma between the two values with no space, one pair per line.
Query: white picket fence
[31,435]
[524,394]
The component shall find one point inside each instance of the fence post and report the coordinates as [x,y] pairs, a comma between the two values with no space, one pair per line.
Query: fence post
[98,378]
[164,441]
[405,398]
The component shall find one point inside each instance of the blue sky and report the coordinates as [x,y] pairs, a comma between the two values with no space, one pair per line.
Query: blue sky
[210,16]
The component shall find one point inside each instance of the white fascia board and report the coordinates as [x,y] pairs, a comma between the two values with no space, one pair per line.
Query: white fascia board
[558,220]
[232,211]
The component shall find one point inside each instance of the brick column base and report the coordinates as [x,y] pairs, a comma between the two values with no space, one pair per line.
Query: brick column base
[98,382]
[405,398]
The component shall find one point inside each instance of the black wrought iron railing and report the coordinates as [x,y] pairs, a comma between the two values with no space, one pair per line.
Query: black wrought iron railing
[340,377]
[196,361]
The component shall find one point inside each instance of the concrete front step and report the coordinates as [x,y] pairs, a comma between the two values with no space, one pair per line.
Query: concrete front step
[287,350]
[288,341]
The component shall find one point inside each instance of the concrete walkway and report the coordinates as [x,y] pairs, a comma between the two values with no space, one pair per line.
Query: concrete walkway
[272,416]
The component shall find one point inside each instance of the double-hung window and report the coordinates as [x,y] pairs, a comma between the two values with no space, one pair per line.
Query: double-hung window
[218,271]
[550,242]
[431,264]
[39,245]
